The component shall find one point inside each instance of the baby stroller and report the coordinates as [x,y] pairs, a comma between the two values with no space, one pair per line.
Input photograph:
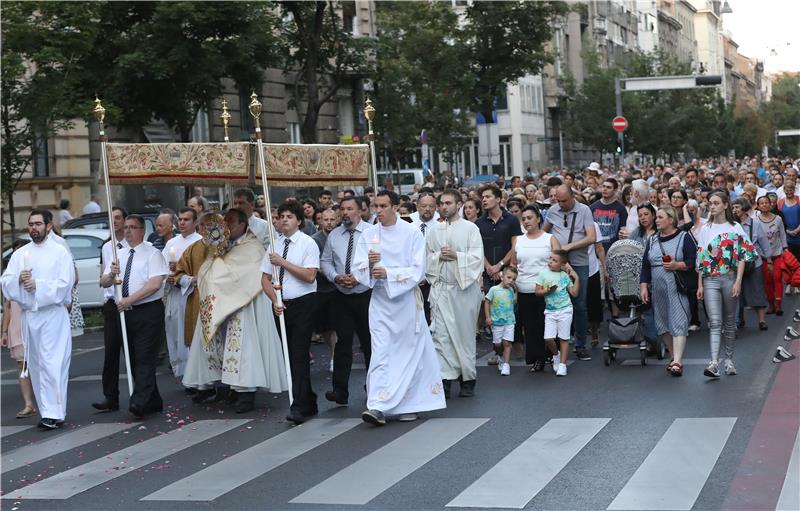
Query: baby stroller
[624,262]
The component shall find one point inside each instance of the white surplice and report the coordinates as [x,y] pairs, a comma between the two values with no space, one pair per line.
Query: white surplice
[175,309]
[45,320]
[403,374]
[455,296]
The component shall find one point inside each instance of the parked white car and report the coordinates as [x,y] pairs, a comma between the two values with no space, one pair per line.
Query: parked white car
[85,245]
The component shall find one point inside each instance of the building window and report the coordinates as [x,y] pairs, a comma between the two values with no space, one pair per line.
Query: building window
[349,18]
[293,129]
[41,163]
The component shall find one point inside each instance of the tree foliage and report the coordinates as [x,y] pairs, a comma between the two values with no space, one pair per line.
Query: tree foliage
[42,45]
[661,123]
[323,57]
[501,42]
[420,78]
[783,112]
[169,58]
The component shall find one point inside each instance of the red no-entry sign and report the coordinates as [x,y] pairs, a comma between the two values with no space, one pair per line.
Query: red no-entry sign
[619,123]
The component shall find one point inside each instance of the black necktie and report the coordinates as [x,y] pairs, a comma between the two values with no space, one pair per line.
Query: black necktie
[422,228]
[119,246]
[127,275]
[349,253]
[285,253]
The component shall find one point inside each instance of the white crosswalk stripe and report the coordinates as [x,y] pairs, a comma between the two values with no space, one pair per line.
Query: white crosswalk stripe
[672,475]
[372,475]
[789,499]
[675,471]
[83,477]
[64,442]
[511,483]
[223,477]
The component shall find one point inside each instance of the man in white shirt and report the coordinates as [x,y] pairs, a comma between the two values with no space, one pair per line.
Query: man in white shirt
[112,333]
[142,268]
[245,199]
[297,266]
[176,295]
[39,278]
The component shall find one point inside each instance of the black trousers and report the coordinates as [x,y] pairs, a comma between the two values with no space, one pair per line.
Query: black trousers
[112,343]
[145,326]
[426,291]
[299,317]
[594,299]
[352,316]
[531,312]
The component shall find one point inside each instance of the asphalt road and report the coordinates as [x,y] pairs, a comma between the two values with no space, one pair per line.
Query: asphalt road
[602,438]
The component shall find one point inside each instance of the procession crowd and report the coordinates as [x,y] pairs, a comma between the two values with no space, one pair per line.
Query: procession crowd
[416,278]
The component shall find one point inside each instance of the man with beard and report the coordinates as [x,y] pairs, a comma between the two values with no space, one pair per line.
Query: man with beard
[351,305]
[454,266]
[39,278]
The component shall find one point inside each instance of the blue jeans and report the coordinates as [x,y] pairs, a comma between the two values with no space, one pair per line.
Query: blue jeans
[579,313]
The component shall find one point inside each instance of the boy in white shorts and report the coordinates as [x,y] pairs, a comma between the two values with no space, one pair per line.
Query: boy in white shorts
[556,286]
[498,308]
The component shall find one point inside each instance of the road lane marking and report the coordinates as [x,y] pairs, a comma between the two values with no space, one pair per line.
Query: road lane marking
[513,482]
[675,471]
[64,442]
[227,475]
[375,473]
[790,493]
[83,477]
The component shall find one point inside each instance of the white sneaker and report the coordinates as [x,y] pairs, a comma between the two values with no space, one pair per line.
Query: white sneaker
[331,369]
[562,370]
[505,370]
[694,328]
[556,361]
[730,369]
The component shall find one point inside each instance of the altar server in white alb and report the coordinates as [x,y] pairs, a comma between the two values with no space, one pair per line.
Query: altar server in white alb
[39,278]
[177,292]
[455,263]
[403,376]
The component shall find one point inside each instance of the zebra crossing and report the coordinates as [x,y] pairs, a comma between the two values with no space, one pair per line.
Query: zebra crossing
[671,476]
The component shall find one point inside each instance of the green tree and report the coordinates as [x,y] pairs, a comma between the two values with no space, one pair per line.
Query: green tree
[420,79]
[502,42]
[783,112]
[170,59]
[323,57]
[41,47]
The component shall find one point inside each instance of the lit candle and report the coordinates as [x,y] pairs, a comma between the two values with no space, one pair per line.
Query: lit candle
[172,254]
[26,261]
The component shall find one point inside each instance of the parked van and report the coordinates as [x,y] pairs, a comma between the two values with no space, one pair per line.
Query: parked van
[407,179]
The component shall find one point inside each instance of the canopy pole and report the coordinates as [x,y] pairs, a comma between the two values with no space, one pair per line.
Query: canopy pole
[369,113]
[255,111]
[99,114]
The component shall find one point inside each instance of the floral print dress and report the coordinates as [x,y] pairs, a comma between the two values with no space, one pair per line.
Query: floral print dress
[720,247]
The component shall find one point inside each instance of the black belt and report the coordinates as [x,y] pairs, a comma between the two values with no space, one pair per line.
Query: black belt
[289,301]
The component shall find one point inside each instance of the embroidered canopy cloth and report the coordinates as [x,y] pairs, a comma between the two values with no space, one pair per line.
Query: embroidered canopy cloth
[229,163]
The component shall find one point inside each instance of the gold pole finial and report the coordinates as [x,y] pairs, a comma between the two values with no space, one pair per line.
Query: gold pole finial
[255,109]
[226,117]
[99,111]
[369,112]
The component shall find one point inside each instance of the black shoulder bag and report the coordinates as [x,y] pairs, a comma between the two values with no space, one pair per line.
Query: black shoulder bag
[685,280]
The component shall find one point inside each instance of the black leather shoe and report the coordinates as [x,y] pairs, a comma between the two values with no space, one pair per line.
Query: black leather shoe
[446,386]
[245,402]
[106,406]
[299,418]
[136,411]
[203,395]
[467,389]
[337,397]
